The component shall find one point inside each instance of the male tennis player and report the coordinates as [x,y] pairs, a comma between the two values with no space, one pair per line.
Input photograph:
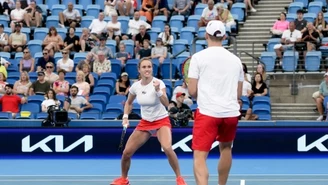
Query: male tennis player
[215,80]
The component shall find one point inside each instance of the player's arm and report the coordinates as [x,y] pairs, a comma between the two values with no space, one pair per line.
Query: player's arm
[240,89]
[163,98]
[192,87]
[240,82]
[128,104]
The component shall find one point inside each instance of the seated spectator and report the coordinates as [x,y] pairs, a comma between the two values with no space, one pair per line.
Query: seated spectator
[209,13]
[181,7]
[103,48]
[101,64]
[225,16]
[247,87]
[86,40]
[126,8]
[122,86]
[6,7]
[50,100]
[147,9]
[65,63]
[159,51]
[109,9]
[179,106]
[311,37]
[259,87]
[17,39]
[33,15]
[3,70]
[4,63]
[161,8]
[70,17]
[17,16]
[289,37]
[4,40]
[61,86]
[3,84]
[114,29]
[144,52]
[53,41]
[323,90]
[140,37]
[98,27]
[183,89]
[300,23]
[88,60]
[72,41]
[279,26]
[321,25]
[134,27]
[40,86]
[42,61]
[167,37]
[249,5]
[50,76]
[248,76]
[22,85]
[122,55]
[76,104]
[89,78]
[246,114]
[84,87]
[27,62]
[260,69]
[11,102]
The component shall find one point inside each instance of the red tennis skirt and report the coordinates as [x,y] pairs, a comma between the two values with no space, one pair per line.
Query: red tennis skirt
[153,126]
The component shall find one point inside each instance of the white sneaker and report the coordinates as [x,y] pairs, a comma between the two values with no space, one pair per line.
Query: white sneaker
[320,118]
[253,10]
[62,26]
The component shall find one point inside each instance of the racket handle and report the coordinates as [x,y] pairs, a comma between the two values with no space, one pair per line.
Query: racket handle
[125,126]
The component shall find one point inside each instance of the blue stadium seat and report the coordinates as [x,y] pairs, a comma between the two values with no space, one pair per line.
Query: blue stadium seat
[261,100]
[62,32]
[5,115]
[116,66]
[57,8]
[34,46]
[193,107]
[41,115]
[109,116]
[92,116]
[165,69]
[96,108]
[179,45]
[5,55]
[14,75]
[272,43]
[129,46]
[136,108]
[290,17]
[178,83]
[293,7]
[4,20]
[305,2]
[313,60]
[131,67]
[58,56]
[315,7]
[20,116]
[93,10]
[31,107]
[86,21]
[72,115]
[193,21]
[61,98]
[154,34]
[110,75]
[44,9]
[124,20]
[199,8]
[40,33]
[50,3]
[14,65]
[176,21]
[79,56]
[290,60]
[102,90]
[10,81]
[98,98]
[263,111]
[65,2]
[71,75]
[18,56]
[239,9]
[201,32]
[324,49]
[159,22]
[120,99]
[52,21]
[85,3]
[112,45]
[245,100]
[324,2]
[200,45]
[309,17]
[268,58]
[79,8]
[116,108]
[169,88]
[38,99]
[187,33]
[155,62]
[78,31]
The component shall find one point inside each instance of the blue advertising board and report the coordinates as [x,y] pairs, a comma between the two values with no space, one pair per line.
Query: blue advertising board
[95,142]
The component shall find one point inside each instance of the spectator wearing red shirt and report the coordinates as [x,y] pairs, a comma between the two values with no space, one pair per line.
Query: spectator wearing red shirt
[10,102]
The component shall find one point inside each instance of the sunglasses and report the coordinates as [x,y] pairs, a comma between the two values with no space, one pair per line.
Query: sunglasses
[45,53]
[49,67]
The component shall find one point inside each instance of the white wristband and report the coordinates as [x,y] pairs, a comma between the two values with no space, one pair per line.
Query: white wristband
[125,116]
[159,93]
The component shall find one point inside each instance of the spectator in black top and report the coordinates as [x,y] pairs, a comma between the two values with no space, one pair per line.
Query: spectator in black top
[122,86]
[145,52]
[71,42]
[259,87]
[311,37]
[300,23]
[42,61]
[180,97]
[140,37]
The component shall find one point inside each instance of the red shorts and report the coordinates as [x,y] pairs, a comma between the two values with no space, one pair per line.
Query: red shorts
[207,129]
[152,127]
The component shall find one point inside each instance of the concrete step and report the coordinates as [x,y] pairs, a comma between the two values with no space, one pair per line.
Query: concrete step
[295,113]
[255,37]
[251,29]
[259,32]
[256,16]
[257,45]
[274,2]
[259,23]
[266,12]
[271,6]
[290,117]
[251,40]
[292,105]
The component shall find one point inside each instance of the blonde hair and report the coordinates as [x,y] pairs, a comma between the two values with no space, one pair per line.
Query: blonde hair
[27,76]
[80,73]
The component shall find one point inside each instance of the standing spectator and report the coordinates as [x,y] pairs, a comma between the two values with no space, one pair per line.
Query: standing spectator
[134,26]
[76,104]
[33,15]
[40,86]
[209,13]
[65,63]
[103,48]
[181,7]
[42,61]
[22,85]
[101,64]
[61,86]
[4,40]
[53,41]
[70,17]
[114,29]
[27,62]
[11,102]
[17,16]
[71,42]
[17,40]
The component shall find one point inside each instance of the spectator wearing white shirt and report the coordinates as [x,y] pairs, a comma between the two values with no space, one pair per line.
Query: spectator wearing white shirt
[50,100]
[70,17]
[110,7]
[17,16]
[134,26]
[209,13]
[98,26]
[4,40]
[6,6]
[65,63]
[247,87]
[125,8]
[114,29]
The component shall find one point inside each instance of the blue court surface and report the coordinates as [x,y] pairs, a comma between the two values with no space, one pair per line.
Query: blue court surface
[263,171]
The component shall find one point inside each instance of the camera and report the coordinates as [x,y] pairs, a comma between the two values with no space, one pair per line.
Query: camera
[180,119]
[57,117]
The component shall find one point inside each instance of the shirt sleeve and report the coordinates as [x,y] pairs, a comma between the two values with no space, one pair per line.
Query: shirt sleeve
[193,71]
[132,90]
[161,84]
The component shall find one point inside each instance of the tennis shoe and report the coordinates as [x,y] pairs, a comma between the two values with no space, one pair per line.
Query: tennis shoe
[120,181]
[181,181]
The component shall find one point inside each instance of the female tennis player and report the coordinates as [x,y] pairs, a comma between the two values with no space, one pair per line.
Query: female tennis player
[151,95]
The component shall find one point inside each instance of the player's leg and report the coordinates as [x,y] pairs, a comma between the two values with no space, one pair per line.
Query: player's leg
[226,135]
[204,134]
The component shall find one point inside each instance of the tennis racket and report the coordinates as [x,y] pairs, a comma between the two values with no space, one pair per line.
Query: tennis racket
[185,69]
[120,148]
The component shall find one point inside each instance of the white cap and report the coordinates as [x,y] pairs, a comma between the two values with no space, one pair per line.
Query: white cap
[215,28]
[326,74]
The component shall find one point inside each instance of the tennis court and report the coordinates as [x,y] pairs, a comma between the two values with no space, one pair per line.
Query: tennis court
[157,172]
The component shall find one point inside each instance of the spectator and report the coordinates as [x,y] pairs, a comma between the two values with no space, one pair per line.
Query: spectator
[248,76]
[279,26]
[70,17]
[321,25]
[4,40]
[65,63]
[101,64]
[17,40]
[144,52]
[88,76]
[147,9]
[126,8]
[88,60]
[3,70]
[167,36]
[27,62]
[180,99]
[50,76]
[209,13]
[42,61]
[161,8]
[134,27]
[159,51]
[260,68]
[98,27]
[22,85]
[259,87]
[11,102]
[3,83]
[289,37]
[122,86]
[61,86]
[122,55]
[40,86]
[50,100]
[33,15]
[323,89]
[311,37]
[246,114]
[109,9]
[87,42]
[6,7]
[225,16]
[181,7]
[140,37]
[248,4]
[114,29]
[76,103]
[230,3]
[53,41]
[84,87]
[17,16]
[300,23]
[184,89]
[71,42]
[247,87]
[102,48]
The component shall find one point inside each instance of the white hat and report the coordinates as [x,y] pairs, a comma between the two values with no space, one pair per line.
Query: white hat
[215,28]
[326,74]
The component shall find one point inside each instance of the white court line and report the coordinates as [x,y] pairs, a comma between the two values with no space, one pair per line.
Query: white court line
[242,182]
[231,175]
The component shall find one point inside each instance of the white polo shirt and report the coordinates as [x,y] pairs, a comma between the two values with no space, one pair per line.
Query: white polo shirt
[98,26]
[218,72]
[150,105]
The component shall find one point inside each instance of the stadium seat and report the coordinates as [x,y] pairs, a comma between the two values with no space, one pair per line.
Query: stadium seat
[96,108]
[199,8]
[176,21]
[31,107]
[109,116]
[50,3]
[79,56]
[324,49]
[178,83]
[315,7]
[129,46]
[179,45]
[112,45]
[309,17]
[85,3]
[5,55]
[263,111]
[98,98]
[109,75]
[4,20]
[41,115]
[290,17]
[116,66]
[201,32]
[239,9]
[38,99]
[313,60]
[290,61]
[34,46]
[200,45]
[261,100]
[193,21]
[61,98]
[124,20]
[268,58]
[245,100]
[65,2]
[169,87]
[92,10]
[305,3]
[62,32]
[79,8]
[154,34]
[92,116]
[57,8]
[102,90]
[5,115]
[324,2]
[136,108]
[294,6]
[114,108]
[40,33]
[52,21]
[272,43]
[166,68]
[14,75]
[193,107]
[159,22]
[187,33]
[18,56]
[155,62]
[131,67]
[120,99]
[72,115]
[86,21]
